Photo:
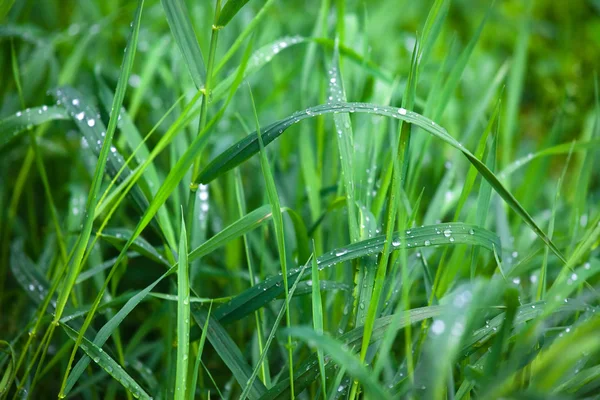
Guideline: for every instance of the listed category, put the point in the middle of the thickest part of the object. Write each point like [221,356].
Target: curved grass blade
[229,10]
[343,357]
[119,236]
[434,235]
[563,148]
[12,127]
[108,364]
[248,146]
[185,37]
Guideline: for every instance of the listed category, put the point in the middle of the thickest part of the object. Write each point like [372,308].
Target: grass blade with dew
[345,143]
[248,146]
[279,233]
[15,125]
[113,368]
[259,295]
[181,27]
[183,316]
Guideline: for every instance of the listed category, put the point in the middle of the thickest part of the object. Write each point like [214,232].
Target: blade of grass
[182,30]
[183,315]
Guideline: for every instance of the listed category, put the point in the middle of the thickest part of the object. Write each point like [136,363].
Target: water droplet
[402,111]
[427,243]
[438,327]
[447,233]
[75,102]
[91,122]
[341,252]
[80,116]
[471,232]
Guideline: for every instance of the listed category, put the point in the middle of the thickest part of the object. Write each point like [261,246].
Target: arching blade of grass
[259,295]
[229,10]
[354,367]
[119,236]
[248,146]
[185,37]
[108,364]
[267,53]
[183,316]
[563,148]
[15,125]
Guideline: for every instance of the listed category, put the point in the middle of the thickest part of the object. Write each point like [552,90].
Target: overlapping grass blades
[248,146]
[434,235]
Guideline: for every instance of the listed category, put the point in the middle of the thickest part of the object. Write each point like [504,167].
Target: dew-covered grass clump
[300,200]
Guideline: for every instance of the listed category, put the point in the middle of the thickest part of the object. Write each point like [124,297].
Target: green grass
[413,186]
